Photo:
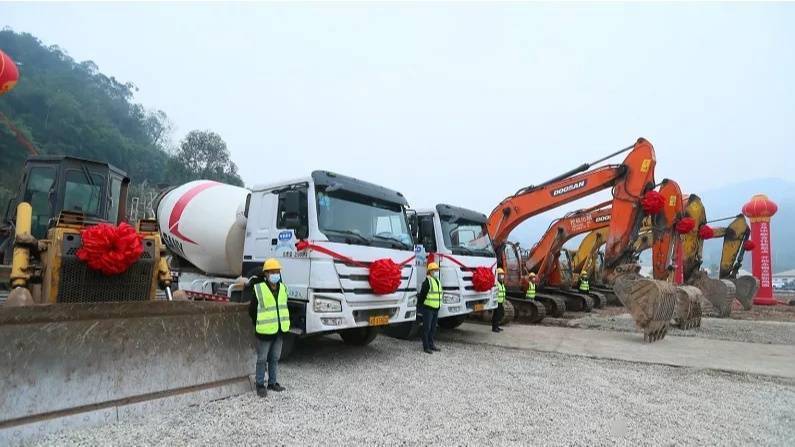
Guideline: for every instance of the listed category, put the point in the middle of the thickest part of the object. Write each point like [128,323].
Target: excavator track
[576,301]
[688,307]
[746,286]
[610,296]
[554,306]
[528,310]
[599,299]
[651,303]
[718,294]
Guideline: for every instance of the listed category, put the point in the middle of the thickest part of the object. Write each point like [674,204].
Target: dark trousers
[430,317]
[497,315]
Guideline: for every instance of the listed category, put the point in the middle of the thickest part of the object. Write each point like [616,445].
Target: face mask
[435,274]
[501,278]
[273,278]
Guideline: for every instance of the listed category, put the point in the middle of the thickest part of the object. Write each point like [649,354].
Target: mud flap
[746,286]
[68,365]
[651,303]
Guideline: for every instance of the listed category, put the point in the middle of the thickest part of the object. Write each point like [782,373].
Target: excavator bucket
[719,294]
[66,365]
[746,286]
[688,307]
[650,302]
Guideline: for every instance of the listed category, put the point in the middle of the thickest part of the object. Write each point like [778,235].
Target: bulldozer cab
[53,184]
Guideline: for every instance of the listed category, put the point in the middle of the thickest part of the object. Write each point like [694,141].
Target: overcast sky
[455,103]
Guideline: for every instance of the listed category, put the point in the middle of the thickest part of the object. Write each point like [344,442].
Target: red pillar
[759,210]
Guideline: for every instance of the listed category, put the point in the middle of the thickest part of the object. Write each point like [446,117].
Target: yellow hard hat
[500,270]
[433,266]
[271,264]
[532,275]
[584,273]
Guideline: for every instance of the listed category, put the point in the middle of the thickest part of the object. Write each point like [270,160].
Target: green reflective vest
[500,293]
[271,312]
[584,287]
[434,297]
[531,291]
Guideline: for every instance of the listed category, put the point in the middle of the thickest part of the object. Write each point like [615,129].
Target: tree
[203,154]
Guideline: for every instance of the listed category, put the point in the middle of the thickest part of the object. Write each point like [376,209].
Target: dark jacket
[248,291]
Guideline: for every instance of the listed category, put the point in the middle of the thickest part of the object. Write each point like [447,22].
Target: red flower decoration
[749,245]
[685,225]
[482,279]
[384,276]
[652,202]
[706,232]
[109,249]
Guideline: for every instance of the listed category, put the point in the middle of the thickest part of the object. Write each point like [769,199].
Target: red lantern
[685,225]
[652,202]
[9,74]
[384,276]
[482,279]
[749,245]
[706,232]
[110,250]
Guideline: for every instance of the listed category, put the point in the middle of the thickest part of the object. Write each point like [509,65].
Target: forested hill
[69,107]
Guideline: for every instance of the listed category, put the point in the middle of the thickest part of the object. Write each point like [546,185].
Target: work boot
[428,351]
[495,329]
[262,391]
[276,387]
[434,348]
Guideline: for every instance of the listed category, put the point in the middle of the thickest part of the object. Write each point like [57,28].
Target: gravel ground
[392,393]
[767,332]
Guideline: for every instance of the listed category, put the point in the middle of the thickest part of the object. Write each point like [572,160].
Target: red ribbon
[384,277]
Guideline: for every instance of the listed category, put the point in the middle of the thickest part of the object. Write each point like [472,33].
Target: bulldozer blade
[650,302]
[719,294]
[746,286]
[688,307]
[68,365]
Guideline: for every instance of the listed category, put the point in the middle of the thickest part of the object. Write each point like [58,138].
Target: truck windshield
[465,237]
[357,219]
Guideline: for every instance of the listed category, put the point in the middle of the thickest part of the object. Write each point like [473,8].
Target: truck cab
[327,230]
[456,238]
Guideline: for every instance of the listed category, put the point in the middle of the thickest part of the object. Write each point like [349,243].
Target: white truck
[220,235]
[458,241]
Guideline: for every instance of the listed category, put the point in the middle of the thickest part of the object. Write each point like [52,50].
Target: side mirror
[292,221]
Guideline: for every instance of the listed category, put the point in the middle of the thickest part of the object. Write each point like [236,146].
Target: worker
[531,286]
[430,300]
[271,318]
[584,286]
[499,312]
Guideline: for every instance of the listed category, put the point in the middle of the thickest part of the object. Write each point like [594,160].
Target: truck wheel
[452,322]
[403,331]
[360,336]
[288,344]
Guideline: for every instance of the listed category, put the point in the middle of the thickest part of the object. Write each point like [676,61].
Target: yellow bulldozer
[81,346]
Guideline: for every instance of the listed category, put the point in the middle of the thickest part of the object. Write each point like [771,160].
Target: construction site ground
[542,385]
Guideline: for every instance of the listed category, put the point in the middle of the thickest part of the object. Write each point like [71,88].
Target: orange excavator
[650,302]
[538,260]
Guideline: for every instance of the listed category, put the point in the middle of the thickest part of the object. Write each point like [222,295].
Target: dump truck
[338,239]
[456,238]
[88,336]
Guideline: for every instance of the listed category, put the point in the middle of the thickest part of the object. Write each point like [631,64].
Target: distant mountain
[719,202]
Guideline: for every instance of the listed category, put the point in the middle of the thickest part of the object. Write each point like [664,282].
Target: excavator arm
[734,237]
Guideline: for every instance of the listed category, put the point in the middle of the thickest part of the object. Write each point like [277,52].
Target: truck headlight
[450,299]
[413,301]
[326,305]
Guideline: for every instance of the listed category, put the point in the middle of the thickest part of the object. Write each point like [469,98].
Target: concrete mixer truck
[339,240]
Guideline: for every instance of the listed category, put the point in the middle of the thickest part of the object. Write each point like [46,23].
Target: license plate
[379,320]
[478,307]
